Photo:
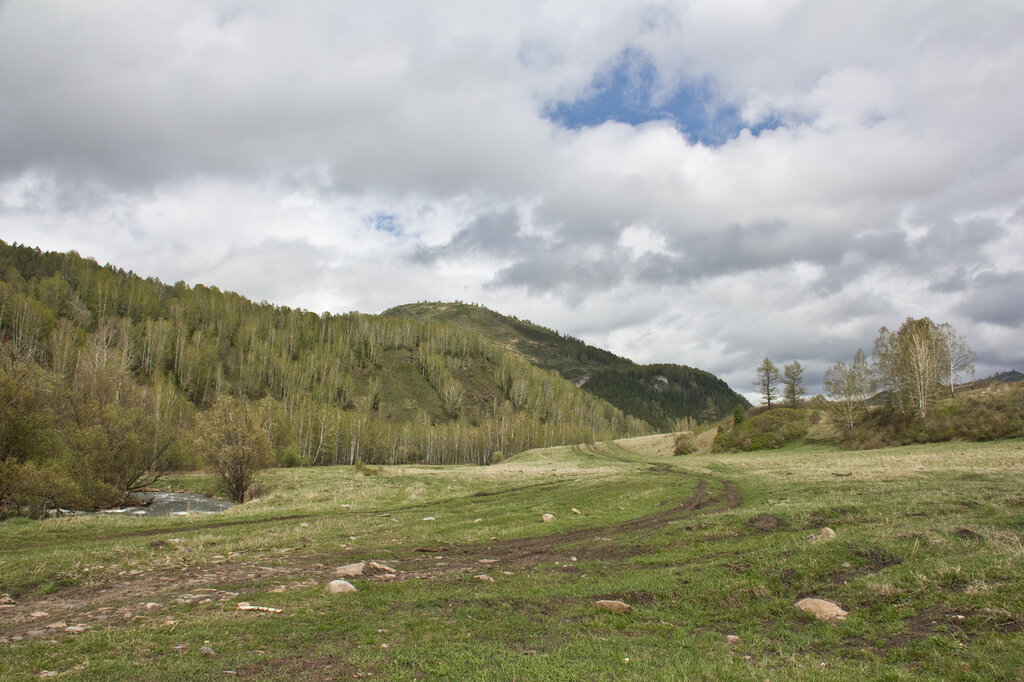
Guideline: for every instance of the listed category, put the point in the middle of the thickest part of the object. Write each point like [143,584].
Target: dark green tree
[793,383]
[768,382]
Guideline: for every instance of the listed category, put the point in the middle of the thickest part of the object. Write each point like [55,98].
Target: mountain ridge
[665,395]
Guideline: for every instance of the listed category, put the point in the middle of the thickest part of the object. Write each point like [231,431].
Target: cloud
[699,182]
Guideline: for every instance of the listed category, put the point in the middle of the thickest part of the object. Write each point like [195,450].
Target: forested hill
[103,375]
[663,395]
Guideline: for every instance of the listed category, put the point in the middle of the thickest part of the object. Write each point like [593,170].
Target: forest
[108,380]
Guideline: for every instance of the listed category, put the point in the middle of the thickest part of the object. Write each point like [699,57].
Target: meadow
[711,551]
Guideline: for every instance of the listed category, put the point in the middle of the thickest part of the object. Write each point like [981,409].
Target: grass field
[927,559]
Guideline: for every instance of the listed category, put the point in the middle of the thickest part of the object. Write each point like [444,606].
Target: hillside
[661,394]
[103,374]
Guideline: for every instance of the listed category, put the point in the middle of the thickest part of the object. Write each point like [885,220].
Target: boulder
[340,587]
[484,578]
[547,518]
[822,609]
[351,570]
[613,605]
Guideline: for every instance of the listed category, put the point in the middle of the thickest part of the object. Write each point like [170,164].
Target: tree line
[910,368]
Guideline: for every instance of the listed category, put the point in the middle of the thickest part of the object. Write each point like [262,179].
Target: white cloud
[329,156]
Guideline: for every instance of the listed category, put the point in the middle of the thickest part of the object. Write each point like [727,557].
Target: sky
[705,182]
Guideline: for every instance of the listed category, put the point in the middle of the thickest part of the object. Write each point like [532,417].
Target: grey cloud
[492,234]
[996,298]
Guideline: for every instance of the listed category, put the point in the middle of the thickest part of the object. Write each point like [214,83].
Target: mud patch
[967,535]
[631,597]
[766,523]
[872,560]
[305,668]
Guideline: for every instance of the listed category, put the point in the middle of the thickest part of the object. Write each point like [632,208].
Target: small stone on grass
[613,605]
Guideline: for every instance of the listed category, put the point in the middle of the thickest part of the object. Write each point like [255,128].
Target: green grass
[928,560]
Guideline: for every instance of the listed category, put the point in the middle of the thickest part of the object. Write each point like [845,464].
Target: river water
[172,504]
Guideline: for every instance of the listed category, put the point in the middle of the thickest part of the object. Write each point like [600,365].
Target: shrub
[985,414]
[769,429]
[684,444]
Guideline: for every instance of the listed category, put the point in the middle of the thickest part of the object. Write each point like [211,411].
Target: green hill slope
[103,374]
[659,394]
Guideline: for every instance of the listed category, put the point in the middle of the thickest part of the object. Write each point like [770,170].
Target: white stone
[613,605]
[824,534]
[547,518]
[822,609]
[340,587]
[351,570]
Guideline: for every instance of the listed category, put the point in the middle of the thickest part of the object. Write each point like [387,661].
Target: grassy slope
[928,560]
[634,389]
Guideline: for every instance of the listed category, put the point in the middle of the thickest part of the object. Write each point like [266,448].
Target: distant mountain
[1009,377]
[659,394]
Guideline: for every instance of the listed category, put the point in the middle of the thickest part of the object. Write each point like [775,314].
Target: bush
[985,414]
[767,430]
[684,445]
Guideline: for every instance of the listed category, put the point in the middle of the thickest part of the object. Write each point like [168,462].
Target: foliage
[913,363]
[848,388]
[684,444]
[793,383]
[988,413]
[769,429]
[659,394]
[106,371]
[235,441]
[767,382]
[662,395]
[739,415]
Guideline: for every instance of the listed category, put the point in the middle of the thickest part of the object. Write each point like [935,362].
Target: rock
[478,520]
[822,535]
[487,561]
[303,525]
[613,605]
[732,639]
[351,570]
[246,606]
[340,587]
[484,578]
[822,609]
[74,629]
[382,567]
[576,511]
[547,518]
[39,614]
[153,606]
[207,650]
[59,625]
[6,599]
[430,518]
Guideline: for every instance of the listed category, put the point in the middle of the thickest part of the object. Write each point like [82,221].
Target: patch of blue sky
[386,222]
[628,93]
